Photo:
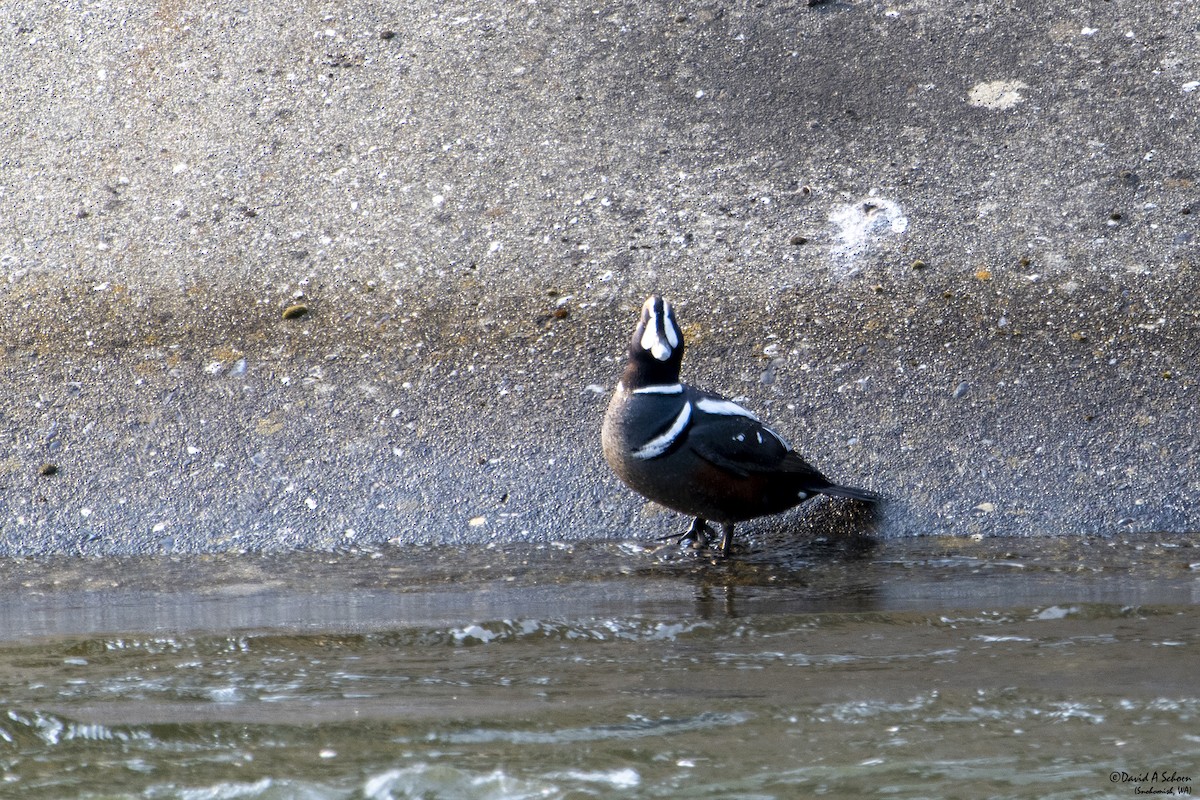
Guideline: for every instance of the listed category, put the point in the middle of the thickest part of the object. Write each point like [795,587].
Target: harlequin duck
[696,452]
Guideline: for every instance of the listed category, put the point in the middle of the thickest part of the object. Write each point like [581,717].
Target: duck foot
[697,535]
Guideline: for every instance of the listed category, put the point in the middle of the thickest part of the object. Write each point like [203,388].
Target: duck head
[656,349]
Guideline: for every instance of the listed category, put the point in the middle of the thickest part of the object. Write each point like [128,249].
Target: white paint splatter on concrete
[861,225]
[997,95]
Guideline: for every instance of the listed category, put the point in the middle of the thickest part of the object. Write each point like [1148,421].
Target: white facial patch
[661,336]
[661,443]
[669,325]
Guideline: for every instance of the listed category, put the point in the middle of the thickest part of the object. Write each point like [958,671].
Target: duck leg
[726,538]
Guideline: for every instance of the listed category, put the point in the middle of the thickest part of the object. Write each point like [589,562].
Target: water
[923,668]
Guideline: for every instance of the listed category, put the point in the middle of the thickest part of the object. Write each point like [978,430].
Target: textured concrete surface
[950,251]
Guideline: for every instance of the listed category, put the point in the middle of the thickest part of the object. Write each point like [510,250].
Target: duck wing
[731,437]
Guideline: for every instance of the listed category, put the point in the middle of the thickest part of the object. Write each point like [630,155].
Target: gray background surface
[948,249]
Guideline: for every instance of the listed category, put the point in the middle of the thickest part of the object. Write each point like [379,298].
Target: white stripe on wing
[726,408]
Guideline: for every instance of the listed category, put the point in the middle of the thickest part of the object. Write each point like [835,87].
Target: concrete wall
[950,250]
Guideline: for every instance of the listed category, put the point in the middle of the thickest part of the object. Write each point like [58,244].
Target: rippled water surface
[925,668]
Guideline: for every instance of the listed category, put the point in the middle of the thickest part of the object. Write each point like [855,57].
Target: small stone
[919,264]
[46,470]
[798,240]
[986,508]
[961,390]
[295,311]
[983,274]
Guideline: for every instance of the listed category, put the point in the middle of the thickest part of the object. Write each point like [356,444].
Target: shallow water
[922,668]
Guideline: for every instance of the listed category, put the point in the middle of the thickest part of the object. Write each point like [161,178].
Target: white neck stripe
[661,443]
[661,388]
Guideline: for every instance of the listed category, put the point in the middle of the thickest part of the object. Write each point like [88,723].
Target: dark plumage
[696,452]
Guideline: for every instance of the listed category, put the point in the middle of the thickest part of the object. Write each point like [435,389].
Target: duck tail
[851,493]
